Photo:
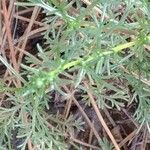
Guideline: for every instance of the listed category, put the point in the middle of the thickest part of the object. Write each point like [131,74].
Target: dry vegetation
[74,75]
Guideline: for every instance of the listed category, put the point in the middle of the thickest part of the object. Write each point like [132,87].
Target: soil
[120,122]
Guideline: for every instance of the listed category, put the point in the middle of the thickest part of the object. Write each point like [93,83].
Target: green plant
[87,48]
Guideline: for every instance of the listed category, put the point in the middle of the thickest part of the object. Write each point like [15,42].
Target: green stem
[93,57]
[81,61]
[116,49]
[123,46]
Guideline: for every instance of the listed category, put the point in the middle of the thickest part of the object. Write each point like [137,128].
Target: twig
[33,32]
[28,20]
[144,140]
[34,15]
[130,117]
[83,143]
[87,2]
[67,108]
[145,81]
[147,47]
[0,25]
[26,10]
[9,36]
[129,137]
[109,117]
[90,135]
[84,115]
[101,118]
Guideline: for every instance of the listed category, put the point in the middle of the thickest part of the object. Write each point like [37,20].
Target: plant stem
[82,62]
